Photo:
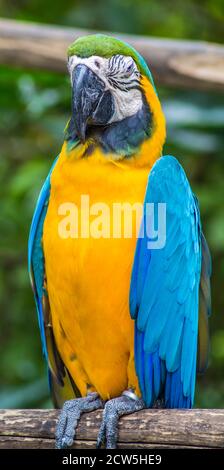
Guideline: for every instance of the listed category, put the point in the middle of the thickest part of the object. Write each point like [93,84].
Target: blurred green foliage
[34,110]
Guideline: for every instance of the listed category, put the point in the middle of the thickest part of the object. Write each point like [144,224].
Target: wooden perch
[187,64]
[34,429]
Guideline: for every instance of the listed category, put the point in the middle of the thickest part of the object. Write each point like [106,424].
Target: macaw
[124,326]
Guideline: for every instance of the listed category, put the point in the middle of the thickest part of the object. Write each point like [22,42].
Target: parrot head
[114,102]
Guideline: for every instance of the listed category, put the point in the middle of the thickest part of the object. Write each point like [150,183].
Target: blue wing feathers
[148,376]
[139,358]
[35,253]
[164,293]
[156,373]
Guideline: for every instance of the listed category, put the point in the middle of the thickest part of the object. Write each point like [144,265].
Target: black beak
[91,104]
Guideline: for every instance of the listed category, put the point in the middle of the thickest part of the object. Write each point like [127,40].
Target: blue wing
[36,256]
[164,293]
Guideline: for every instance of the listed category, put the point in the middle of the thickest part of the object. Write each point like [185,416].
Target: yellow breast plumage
[88,286]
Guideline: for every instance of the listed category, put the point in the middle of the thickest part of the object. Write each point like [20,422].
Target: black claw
[101,436]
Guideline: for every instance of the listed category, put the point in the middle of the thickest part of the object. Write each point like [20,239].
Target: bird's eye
[97,64]
[129,66]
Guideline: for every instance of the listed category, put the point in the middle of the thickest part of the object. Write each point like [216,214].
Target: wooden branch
[187,64]
[32,429]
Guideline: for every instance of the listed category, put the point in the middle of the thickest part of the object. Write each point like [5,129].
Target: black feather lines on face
[122,73]
[124,137]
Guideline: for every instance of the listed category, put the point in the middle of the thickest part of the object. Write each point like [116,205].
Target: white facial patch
[121,77]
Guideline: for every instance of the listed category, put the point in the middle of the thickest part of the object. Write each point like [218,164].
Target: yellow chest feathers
[93,208]
[88,278]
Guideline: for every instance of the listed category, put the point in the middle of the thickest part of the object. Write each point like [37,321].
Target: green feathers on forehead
[107,46]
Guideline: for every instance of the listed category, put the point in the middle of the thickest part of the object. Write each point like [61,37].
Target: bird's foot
[69,416]
[127,403]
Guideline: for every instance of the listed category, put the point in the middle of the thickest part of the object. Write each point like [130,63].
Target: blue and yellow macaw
[123,326]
